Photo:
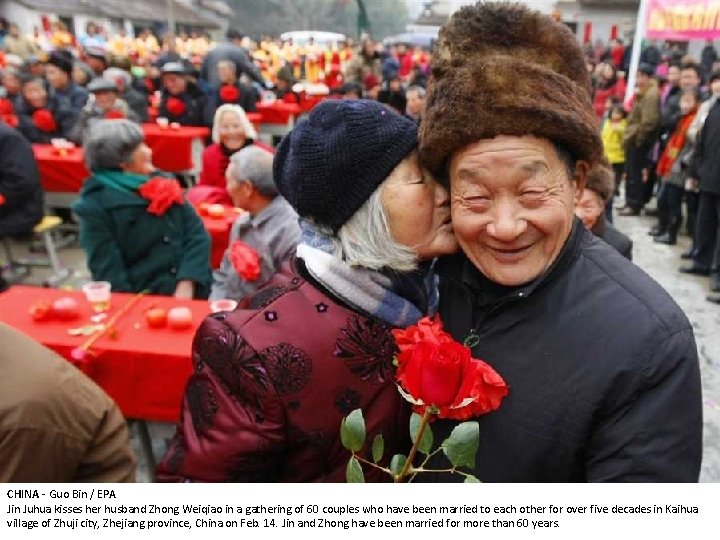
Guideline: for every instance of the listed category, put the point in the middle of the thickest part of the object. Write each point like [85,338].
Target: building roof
[137,10]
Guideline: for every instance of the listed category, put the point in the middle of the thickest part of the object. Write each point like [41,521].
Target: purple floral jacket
[272,381]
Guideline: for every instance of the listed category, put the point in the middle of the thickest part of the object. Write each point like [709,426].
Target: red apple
[40,311]
[180,318]
[156,317]
[66,308]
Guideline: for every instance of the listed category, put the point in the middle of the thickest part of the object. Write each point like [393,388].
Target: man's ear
[580,177]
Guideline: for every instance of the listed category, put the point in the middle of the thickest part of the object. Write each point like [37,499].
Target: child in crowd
[613,132]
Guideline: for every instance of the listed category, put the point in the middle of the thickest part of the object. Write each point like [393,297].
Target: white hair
[250,132]
[365,240]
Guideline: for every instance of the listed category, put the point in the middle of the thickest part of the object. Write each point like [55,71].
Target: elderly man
[415,96]
[270,227]
[182,100]
[601,363]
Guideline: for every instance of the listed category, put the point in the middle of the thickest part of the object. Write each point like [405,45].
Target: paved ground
[661,262]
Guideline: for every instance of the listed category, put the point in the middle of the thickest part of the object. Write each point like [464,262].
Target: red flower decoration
[437,371]
[44,120]
[229,93]
[6,107]
[2,199]
[162,194]
[11,120]
[176,106]
[115,114]
[245,261]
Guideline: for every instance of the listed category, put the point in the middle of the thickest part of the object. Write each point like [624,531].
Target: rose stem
[416,443]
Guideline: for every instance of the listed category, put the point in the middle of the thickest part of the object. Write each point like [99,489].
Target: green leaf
[470,479]
[352,431]
[378,448]
[353,472]
[397,463]
[426,443]
[462,444]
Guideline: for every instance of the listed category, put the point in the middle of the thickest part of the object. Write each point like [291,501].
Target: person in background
[21,195]
[613,133]
[97,60]
[270,227]
[231,91]
[231,132]
[105,104]
[136,229]
[33,67]
[232,49]
[609,89]
[41,116]
[708,57]
[393,95]
[58,73]
[82,74]
[274,378]
[56,425]
[368,61]
[136,100]
[415,96]
[60,38]
[16,43]
[182,101]
[12,83]
[590,208]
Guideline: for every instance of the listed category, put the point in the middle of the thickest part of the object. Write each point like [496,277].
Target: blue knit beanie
[332,161]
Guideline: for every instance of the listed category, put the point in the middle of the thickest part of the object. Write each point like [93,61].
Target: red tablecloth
[58,173]
[172,148]
[308,102]
[219,230]
[277,112]
[144,370]
[255,119]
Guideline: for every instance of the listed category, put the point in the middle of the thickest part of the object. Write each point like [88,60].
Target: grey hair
[255,165]
[365,240]
[249,129]
[228,63]
[421,92]
[110,143]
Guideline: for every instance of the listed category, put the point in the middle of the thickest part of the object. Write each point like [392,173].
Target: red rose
[176,106]
[11,120]
[245,261]
[2,199]
[229,93]
[6,107]
[437,371]
[44,120]
[115,114]
[162,194]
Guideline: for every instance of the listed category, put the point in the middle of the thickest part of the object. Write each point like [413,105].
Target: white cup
[98,294]
[162,121]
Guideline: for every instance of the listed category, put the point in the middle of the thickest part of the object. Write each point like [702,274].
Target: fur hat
[333,160]
[503,69]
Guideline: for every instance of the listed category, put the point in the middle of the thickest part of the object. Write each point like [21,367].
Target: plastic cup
[225,304]
[163,122]
[98,294]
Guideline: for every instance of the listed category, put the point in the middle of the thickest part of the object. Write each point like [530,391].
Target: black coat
[705,165]
[19,184]
[247,99]
[65,120]
[602,368]
[195,102]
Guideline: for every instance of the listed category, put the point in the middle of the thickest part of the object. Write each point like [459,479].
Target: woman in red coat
[274,378]
[231,131]
[610,87]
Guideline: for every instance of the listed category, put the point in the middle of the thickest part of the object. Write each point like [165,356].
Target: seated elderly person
[231,132]
[274,378]
[601,362]
[590,208]
[136,100]
[182,100]
[231,90]
[58,72]
[270,228]
[104,104]
[138,232]
[41,116]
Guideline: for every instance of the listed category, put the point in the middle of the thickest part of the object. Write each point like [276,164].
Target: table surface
[218,229]
[182,132]
[60,173]
[144,370]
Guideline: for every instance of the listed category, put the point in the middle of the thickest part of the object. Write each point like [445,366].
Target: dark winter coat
[229,51]
[65,119]
[19,184]
[247,99]
[74,96]
[195,102]
[602,368]
[136,250]
[705,165]
[272,381]
[621,242]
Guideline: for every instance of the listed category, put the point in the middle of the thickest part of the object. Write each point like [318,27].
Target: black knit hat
[61,60]
[332,161]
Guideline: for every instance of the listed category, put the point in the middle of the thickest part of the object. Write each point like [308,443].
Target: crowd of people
[413,195]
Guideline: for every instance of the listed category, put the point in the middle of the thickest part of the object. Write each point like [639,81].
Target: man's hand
[185,290]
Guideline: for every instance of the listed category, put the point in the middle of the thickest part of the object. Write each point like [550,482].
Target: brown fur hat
[601,180]
[503,69]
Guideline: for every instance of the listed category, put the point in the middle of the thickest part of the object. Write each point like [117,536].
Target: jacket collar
[109,197]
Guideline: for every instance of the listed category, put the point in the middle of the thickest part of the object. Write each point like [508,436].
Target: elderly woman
[104,104]
[270,226]
[590,208]
[594,351]
[231,131]
[137,231]
[274,379]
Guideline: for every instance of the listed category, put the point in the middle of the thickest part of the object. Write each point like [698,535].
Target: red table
[278,112]
[144,370]
[255,119]
[176,150]
[219,230]
[60,173]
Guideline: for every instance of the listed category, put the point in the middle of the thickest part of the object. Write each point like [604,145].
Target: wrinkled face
[512,206]
[418,210]
[231,131]
[56,76]
[140,161]
[673,76]
[689,79]
[589,208]
[105,100]
[226,73]
[174,83]
[35,94]
[240,192]
[414,104]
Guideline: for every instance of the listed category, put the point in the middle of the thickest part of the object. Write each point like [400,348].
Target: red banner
[683,19]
